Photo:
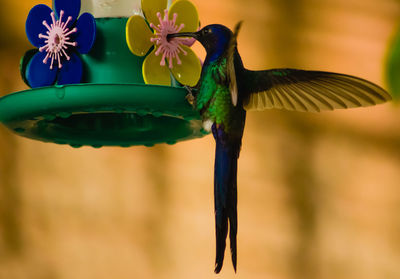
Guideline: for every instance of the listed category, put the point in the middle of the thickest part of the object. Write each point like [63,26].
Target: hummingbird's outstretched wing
[312,91]
[230,64]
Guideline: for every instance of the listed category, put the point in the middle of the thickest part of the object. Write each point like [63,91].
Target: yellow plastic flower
[183,63]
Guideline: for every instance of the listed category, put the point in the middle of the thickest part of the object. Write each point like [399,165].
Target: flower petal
[34,24]
[150,9]
[188,73]
[153,72]
[70,7]
[71,71]
[86,33]
[138,35]
[23,63]
[39,74]
[187,14]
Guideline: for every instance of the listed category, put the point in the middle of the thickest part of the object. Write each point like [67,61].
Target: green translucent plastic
[393,66]
[111,107]
[110,60]
[102,115]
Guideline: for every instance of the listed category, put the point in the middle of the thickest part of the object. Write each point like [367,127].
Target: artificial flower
[168,56]
[59,36]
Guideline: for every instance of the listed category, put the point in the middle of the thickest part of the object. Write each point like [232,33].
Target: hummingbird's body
[226,90]
[226,121]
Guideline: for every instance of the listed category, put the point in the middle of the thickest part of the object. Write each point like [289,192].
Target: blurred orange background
[319,194]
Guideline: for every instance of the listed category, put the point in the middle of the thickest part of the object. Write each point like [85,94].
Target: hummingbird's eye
[207,30]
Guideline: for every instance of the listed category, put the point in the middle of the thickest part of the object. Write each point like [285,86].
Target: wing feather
[231,50]
[312,91]
[287,104]
[320,99]
[297,102]
[277,100]
[333,95]
[310,104]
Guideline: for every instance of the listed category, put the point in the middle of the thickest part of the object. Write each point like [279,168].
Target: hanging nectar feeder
[105,81]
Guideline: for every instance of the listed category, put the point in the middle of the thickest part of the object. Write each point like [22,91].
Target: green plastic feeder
[111,107]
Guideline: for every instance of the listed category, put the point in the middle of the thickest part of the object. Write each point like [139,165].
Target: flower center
[57,40]
[170,49]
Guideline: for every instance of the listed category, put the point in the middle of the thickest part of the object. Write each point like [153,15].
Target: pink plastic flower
[182,61]
[60,34]
[57,39]
[170,49]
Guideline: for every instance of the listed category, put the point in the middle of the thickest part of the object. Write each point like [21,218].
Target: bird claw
[189,97]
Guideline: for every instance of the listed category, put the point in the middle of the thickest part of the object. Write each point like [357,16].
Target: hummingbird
[226,90]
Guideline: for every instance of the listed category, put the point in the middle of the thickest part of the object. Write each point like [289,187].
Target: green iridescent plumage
[214,97]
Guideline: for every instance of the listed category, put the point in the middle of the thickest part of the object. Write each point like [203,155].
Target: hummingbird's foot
[189,97]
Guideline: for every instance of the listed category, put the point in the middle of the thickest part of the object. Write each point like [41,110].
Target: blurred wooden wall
[319,194]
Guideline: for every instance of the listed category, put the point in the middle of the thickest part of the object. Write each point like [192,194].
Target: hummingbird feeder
[109,80]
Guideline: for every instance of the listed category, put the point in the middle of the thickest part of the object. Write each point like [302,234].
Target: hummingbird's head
[215,38]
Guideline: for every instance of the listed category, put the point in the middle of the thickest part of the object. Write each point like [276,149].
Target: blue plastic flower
[59,36]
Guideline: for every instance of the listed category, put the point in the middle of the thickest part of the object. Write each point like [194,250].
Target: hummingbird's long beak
[183,34]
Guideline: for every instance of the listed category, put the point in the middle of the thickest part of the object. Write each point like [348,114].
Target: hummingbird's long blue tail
[225,195]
